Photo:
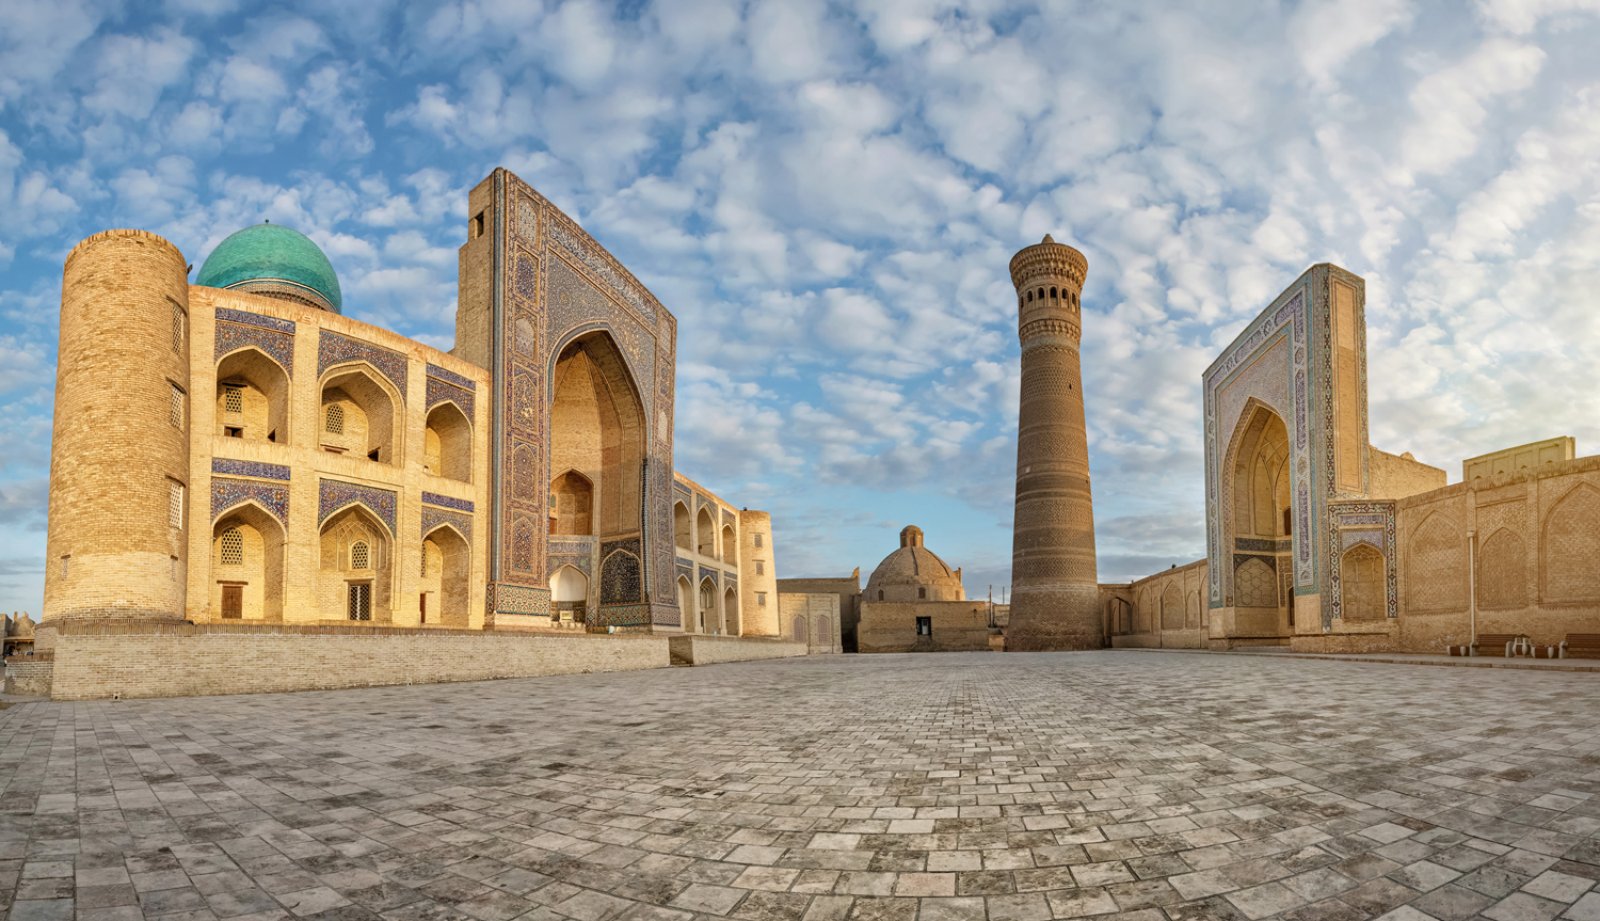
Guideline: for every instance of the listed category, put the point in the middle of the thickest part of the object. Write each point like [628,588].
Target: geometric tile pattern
[1135,785]
[334,495]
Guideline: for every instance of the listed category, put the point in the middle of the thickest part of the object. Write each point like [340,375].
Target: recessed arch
[706,533]
[709,621]
[1570,546]
[686,604]
[1502,571]
[569,595]
[252,396]
[347,593]
[598,429]
[730,611]
[448,442]
[360,413]
[252,587]
[1363,592]
[1436,565]
[447,574]
[682,529]
[1171,608]
[572,509]
[730,545]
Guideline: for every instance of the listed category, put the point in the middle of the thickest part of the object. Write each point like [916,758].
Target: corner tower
[1054,593]
[119,461]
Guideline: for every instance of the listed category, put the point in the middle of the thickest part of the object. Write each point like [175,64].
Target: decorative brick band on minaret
[1054,591]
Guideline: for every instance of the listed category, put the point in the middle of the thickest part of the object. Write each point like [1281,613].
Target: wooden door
[232,602]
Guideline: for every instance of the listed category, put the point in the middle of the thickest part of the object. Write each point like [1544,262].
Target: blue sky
[827,195]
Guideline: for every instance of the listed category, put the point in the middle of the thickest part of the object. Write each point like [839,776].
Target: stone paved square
[1123,784]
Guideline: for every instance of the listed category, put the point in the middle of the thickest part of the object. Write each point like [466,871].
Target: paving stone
[1011,788]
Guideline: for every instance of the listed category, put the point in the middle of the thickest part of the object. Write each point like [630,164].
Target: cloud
[827,196]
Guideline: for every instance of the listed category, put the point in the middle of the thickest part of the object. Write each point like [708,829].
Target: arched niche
[730,545]
[572,511]
[447,451]
[355,578]
[682,530]
[706,534]
[447,578]
[730,611]
[247,565]
[686,611]
[709,622]
[569,595]
[359,414]
[252,397]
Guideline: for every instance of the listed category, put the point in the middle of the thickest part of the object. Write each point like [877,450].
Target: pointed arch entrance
[598,444]
[1258,525]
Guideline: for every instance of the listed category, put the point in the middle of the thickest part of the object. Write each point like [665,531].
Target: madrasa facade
[1319,541]
[236,452]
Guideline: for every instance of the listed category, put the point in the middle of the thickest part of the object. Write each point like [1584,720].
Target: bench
[1582,644]
[1493,644]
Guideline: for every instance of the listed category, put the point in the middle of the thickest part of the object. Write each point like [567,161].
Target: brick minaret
[119,468]
[1054,595]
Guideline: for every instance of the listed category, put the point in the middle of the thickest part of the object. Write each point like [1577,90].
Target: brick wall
[182,660]
[709,650]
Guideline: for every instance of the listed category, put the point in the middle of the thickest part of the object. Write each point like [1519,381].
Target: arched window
[335,420]
[232,547]
[360,555]
[1053,293]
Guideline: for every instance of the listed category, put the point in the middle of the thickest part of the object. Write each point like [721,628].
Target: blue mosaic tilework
[255,319]
[334,495]
[622,615]
[434,517]
[257,469]
[237,329]
[621,572]
[451,377]
[334,349]
[519,599]
[440,390]
[460,505]
[227,493]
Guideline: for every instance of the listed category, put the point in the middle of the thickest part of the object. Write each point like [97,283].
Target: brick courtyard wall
[29,678]
[709,650]
[164,660]
[891,626]
[1538,536]
[1163,611]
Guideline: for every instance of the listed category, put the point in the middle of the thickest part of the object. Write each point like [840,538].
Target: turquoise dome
[274,260]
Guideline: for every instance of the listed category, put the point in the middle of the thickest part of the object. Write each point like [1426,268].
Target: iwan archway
[598,445]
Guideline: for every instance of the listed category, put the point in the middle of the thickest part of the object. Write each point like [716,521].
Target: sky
[827,195]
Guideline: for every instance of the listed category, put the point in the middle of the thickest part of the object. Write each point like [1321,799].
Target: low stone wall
[709,650]
[29,677]
[165,660]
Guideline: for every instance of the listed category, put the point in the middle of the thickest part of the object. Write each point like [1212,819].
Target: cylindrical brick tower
[1054,590]
[119,460]
[758,593]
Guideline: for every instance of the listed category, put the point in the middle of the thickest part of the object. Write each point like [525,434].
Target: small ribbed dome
[276,261]
[914,573]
